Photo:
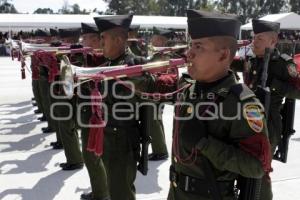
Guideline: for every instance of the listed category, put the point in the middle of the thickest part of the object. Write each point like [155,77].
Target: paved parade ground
[29,168]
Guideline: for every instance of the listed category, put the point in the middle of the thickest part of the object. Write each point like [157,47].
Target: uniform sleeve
[285,88]
[155,88]
[248,155]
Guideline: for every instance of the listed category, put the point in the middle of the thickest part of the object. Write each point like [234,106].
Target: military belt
[197,186]
[121,124]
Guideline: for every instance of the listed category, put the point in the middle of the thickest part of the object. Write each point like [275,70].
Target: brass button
[175,159]
[115,129]
[174,184]
[189,110]
[254,72]
[273,89]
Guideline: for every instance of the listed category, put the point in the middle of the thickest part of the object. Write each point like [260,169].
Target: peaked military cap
[260,26]
[41,33]
[88,28]
[207,24]
[163,32]
[53,32]
[106,23]
[69,32]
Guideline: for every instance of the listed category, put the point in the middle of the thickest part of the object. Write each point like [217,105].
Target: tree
[6,7]
[43,11]
[118,7]
[65,8]
[71,9]
[244,9]
[295,6]
[203,5]
[76,9]
[272,6]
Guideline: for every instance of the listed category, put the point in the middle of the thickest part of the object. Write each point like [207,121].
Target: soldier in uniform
[281,69]
[69,36]
[94,164]
[44,94]
[121,136]
[215,136]
[135,44]
[44,35]
[160,38]
[54,37]
[67,128]
[91,38]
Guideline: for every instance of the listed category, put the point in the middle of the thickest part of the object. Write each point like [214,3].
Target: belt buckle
[174,184]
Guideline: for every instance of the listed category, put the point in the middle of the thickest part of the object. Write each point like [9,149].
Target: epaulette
[286,57]
[242,91]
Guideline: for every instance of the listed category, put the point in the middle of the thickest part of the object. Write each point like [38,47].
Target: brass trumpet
[70,73]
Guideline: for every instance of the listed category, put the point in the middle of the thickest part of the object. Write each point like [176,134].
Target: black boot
[47,130]
[68,166]
[42,118]
[57,145]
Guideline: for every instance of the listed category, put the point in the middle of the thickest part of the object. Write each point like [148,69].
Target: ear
[224,55]
[274,41]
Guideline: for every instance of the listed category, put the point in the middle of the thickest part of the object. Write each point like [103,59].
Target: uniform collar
[220,87]
[275,54]
[118,60]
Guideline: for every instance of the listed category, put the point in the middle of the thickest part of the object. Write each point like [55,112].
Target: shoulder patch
[242,91]
[292,70]
[254,116]
[286,57]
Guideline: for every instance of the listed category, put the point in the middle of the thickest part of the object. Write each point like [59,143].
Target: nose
[190,54]
[255,42]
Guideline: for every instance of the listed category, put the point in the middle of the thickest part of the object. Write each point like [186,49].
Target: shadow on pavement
[296,139]
[149,184]
[35,163]
[26,144]
[20,104]
[16,110]
[46,189]
[22,129]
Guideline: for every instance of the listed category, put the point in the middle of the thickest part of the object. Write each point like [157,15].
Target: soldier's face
[91,40]
[204,60]
[110,45]
[262,41]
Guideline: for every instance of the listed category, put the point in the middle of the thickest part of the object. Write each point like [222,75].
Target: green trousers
[36,94]
[121,152]
[94,164]
[67,130]
[44,90]
[47,100]
[158,142]
[274,129]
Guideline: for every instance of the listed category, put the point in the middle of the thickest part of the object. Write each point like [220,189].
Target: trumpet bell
[67,76]
[70,73]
